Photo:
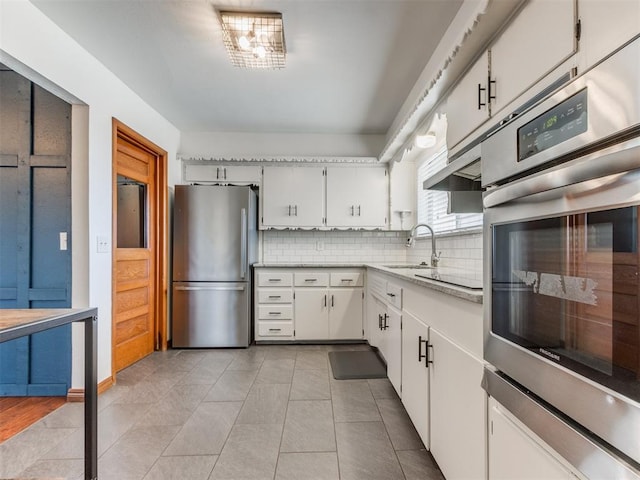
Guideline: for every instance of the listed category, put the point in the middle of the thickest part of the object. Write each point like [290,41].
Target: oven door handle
[615,159]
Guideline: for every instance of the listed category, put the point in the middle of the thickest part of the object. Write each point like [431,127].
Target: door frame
[160,281]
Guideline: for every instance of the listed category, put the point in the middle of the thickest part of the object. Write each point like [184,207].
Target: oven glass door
[567,289]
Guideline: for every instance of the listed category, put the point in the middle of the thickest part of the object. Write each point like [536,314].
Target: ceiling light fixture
[426,141]
[254,39]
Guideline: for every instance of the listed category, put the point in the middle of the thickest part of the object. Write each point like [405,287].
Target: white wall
[243,145]
[35,47]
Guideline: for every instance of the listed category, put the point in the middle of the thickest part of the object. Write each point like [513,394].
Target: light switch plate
[102,244]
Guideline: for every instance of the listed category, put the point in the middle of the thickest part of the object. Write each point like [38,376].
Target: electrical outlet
[102,244]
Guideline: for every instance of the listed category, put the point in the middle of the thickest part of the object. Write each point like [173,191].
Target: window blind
[432,204]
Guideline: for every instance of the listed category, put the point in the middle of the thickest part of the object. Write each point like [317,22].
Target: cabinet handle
[325,301]
[480,90]
[489,83]
[331,301]
[275,313]
[217,173]
[420,354]
[275,296]
[347,280]
[379,321]
[391,295]
[429,357]
[224,173]
[275,329]
[275,279]
[289,210]
[359,210]
[386,324]
[295,210]
[310,279]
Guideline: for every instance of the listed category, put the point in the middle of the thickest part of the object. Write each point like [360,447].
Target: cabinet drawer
[274,279]
[267,312]
[377,286]
[347,279]
[273,295]
[394,295]
[311,279]
[275,329]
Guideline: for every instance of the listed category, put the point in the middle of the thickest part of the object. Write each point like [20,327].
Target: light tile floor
[270,412]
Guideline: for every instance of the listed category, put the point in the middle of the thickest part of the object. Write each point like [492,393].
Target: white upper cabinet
[194,172]
[467,104]
[605,26]
[402,195]
[538,40]
[357,197]
[292,196]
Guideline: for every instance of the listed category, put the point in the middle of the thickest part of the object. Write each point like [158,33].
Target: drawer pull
[275,313]
[391,294]
[347,280]
[275,296]
[310,279]
[275,279]
[275,329]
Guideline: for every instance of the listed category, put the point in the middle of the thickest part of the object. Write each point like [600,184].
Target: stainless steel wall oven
[562,252]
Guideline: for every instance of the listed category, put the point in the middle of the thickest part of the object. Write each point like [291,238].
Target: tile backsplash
[302,246]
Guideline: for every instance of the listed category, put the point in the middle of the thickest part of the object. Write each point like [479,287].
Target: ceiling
[350,63]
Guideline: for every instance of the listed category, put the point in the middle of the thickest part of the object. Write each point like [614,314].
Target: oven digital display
[562,122]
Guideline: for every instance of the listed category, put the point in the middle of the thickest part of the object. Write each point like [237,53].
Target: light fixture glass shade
[426,141]
[254,39]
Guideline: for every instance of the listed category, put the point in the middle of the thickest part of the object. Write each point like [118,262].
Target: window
[432,204]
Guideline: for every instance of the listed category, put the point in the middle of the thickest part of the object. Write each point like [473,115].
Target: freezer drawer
[211,314]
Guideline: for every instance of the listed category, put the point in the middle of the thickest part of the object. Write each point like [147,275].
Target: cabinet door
[357,197]
[311,314]
[345,316]
[458,409]
[515,454]
[393,339]
[375,311]
[539,39]
[292,197]
[222,174]
[415,374]
[606,25]
[402,195]
[467,104]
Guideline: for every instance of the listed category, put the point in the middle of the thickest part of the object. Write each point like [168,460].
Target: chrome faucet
[435,257]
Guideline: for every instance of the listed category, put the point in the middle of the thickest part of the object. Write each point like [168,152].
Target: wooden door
[35,221]
[135,241]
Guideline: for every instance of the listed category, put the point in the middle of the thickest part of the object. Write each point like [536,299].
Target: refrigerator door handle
[239,288]
[243,243]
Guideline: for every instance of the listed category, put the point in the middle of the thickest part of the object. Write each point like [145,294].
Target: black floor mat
[359,364]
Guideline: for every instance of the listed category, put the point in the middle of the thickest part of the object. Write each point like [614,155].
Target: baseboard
[77,394]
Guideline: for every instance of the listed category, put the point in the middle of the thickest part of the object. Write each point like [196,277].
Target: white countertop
[400,271]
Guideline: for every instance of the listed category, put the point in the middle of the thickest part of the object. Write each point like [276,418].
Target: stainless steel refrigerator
[214,245]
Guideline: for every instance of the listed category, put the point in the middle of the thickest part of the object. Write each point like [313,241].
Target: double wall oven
[562,266]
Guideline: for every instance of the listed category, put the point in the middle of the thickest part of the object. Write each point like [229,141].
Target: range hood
[460,175]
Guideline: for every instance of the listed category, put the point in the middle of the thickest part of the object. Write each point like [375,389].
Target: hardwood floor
[17,413]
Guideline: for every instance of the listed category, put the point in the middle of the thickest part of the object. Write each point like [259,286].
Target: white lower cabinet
[415,374]
[311,313]
[434,363]
[392,341]
[317,304]
[345,309]
[458,409]
[514,453]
